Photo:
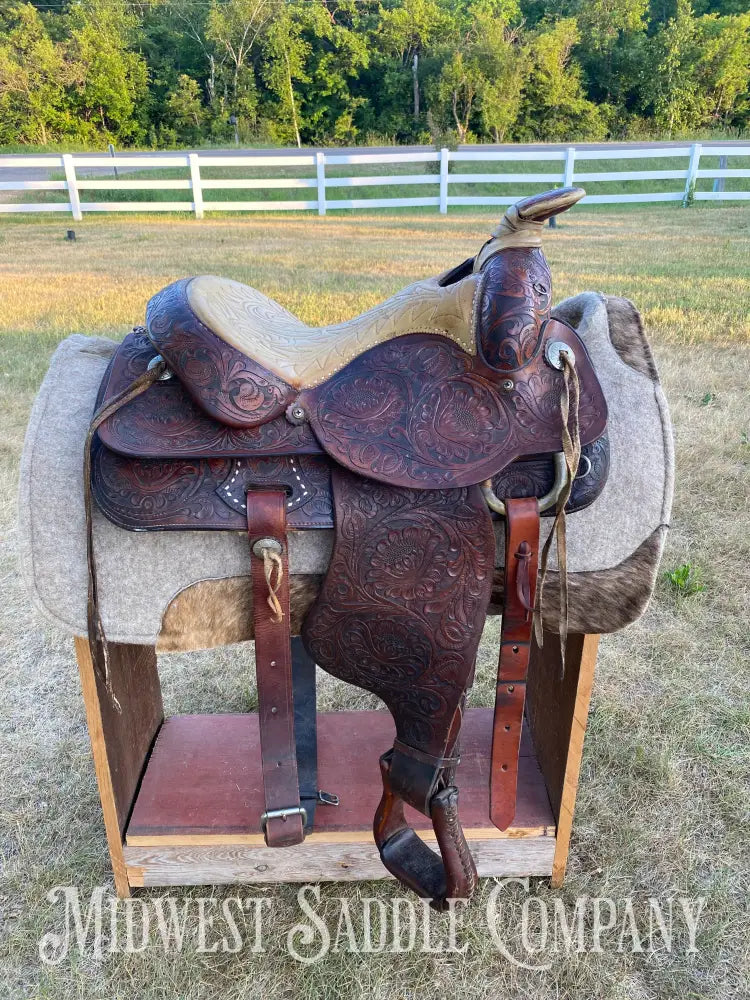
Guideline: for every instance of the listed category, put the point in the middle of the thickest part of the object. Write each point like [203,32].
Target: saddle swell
[382,428]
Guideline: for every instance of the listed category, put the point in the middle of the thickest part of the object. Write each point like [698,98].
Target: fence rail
[443,178]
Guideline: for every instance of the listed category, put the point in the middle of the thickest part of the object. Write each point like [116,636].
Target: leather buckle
[282,814]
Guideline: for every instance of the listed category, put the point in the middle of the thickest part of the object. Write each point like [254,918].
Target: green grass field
[663,803]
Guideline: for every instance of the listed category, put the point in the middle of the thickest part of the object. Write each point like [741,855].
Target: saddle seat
[276,341]
[303,356]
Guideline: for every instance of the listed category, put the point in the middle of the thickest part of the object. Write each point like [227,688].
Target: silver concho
[166,374]
[552,353]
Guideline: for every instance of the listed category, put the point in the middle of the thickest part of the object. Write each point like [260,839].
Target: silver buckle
[282,814]
[328,798]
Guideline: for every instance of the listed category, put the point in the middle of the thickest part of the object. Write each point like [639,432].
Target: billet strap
[521,565]
[97,639]
[283,820]
[451,874]
[306,734]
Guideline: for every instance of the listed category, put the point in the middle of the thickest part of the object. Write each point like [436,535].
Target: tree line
[164,73]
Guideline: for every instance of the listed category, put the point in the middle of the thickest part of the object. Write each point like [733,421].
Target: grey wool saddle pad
[189,589]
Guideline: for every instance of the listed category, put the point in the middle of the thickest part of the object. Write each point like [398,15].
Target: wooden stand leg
[120,741]
[557,709]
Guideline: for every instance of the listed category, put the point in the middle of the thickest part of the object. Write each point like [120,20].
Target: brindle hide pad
[220,612]
[217,612]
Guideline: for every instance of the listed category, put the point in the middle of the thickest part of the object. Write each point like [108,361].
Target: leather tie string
[571,446]
[97,638]
[269,550]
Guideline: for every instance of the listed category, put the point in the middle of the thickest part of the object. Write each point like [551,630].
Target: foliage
[341,71]
[685,580]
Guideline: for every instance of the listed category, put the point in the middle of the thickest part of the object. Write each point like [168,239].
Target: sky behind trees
[164,73]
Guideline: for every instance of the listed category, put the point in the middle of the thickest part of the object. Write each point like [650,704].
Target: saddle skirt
[162,463]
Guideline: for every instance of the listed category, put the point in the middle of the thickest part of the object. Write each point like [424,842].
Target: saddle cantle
[402,429]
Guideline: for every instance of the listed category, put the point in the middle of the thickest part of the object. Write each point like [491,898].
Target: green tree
[286,51]
[235,28]
[611,32]
[724,69]
[186,109]
[554,107]
[403,39]
[677,101]
[109,88]
[336,52]
[33,74]
[480,78]
[505,66]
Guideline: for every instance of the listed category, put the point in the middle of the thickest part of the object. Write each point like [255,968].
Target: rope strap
[571,446]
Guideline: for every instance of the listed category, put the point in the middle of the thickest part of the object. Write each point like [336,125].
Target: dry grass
[664,794]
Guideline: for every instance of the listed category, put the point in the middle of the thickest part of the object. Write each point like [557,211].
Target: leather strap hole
[511,688]
[515,649]
[504,767]
[507,729]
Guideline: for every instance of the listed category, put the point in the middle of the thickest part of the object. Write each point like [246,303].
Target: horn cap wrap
[522,224]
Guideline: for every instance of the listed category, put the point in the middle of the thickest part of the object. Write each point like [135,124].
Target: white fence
[565,161]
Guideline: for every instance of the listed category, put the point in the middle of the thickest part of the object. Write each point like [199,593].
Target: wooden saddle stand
[406,431]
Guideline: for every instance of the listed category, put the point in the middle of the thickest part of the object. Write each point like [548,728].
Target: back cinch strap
[521,565]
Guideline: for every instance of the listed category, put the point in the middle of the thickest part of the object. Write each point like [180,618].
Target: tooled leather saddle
[407,430]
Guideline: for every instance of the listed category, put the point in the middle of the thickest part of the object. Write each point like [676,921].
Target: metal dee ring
[587,460]
[545,502]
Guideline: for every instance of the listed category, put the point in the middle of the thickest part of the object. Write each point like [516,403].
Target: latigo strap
[521,565]
[284,820]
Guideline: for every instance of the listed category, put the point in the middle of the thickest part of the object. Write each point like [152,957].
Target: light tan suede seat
[303,355]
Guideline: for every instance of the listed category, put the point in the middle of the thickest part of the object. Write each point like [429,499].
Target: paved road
[42,173]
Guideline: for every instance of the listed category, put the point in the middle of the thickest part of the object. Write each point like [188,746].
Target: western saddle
[406,430]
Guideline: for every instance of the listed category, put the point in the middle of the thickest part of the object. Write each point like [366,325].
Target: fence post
[195,184]
[70,180]
[719,181]
[570,165]
[695,158]
[443,181]
[320,167]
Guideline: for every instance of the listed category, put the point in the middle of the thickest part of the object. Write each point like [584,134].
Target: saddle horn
[521,226]
[516,286]
[540,207]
